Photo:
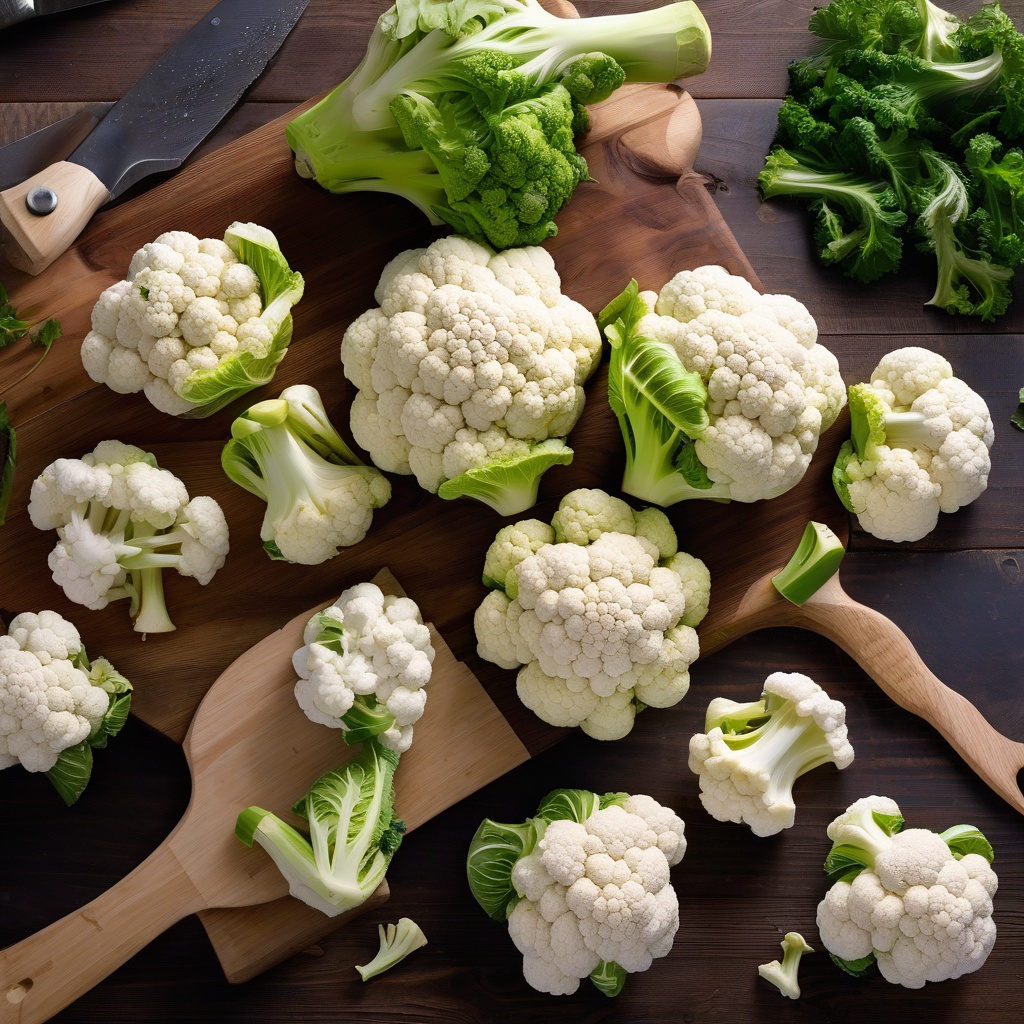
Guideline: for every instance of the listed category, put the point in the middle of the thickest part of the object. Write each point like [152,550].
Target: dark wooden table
[958,595]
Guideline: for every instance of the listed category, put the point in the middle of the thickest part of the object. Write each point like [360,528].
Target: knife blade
[22,158]
[178,101]
[14,11]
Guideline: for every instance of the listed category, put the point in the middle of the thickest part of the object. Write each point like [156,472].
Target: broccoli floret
[470,110]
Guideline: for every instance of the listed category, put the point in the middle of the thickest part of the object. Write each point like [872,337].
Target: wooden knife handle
[32,242]
[883,650]
[49,970]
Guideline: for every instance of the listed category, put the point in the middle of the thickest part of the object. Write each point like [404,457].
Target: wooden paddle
[250,743]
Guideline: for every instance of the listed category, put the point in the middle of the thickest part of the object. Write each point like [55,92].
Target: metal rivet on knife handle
[41,200]
[32,242]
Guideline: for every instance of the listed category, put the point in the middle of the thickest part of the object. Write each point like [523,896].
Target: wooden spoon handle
[887,655]
[49,970]
[32,242]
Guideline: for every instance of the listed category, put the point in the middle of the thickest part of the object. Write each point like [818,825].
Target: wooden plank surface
[959,603]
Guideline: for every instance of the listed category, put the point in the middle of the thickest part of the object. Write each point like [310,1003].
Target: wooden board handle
[32,242]
[883,650]
[49,970]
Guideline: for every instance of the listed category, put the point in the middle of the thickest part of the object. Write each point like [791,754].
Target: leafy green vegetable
[13,328]
[900,130]
[8,460]
[470,109]
[815,561]
[353,833]
[1016,419]
[71,773]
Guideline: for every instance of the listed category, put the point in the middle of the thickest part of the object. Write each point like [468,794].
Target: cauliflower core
[598,609]
[472,360]
[364,665]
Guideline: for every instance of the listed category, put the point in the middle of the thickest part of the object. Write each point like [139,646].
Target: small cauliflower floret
[120,520]
[916,903]
[53,703]
[743,389]
[597,624]
[364,666]
[920,441]
[320,497]
[750,755]
[193,325]
[468,372]
[585,886]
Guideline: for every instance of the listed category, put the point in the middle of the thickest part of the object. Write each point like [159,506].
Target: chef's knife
[13,11]
[153,128]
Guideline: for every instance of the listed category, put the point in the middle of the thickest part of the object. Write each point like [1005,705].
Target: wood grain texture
[962,609]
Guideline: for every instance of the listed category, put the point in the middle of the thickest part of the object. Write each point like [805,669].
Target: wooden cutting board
[647,214]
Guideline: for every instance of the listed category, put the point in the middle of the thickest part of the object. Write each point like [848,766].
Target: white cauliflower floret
[364,665]
[747,428]
[589,891]
[750,755]
[594,620]
[467,368]
[912,901]
[51,699]
[920,446]
[187,308]
[118,514]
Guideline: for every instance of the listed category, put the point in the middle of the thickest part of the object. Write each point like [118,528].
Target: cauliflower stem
[353,833]
[815,561]
[397,941]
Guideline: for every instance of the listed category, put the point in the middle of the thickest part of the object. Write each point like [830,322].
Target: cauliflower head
[720,392]
[597,611]
[470,371]
[749,755]
[364,666]
[55,705]
[920,446]
[915,902]
[584,885]
[196,322]
[320,497]
[120,520]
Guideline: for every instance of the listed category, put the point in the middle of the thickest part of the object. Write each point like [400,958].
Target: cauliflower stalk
[919,446]
[470,371]
[784,974]
[353,833]
[320,497]
[750,755]
[469,110]
[584,886]
[120,521]
[915,902]
[196,322]
[397,941]
[596,610]
[720,392]
[364,666]
[56,706]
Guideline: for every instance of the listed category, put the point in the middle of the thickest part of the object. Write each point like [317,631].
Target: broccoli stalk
[353,833]
[319,495]
[469,110]
[661,408]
